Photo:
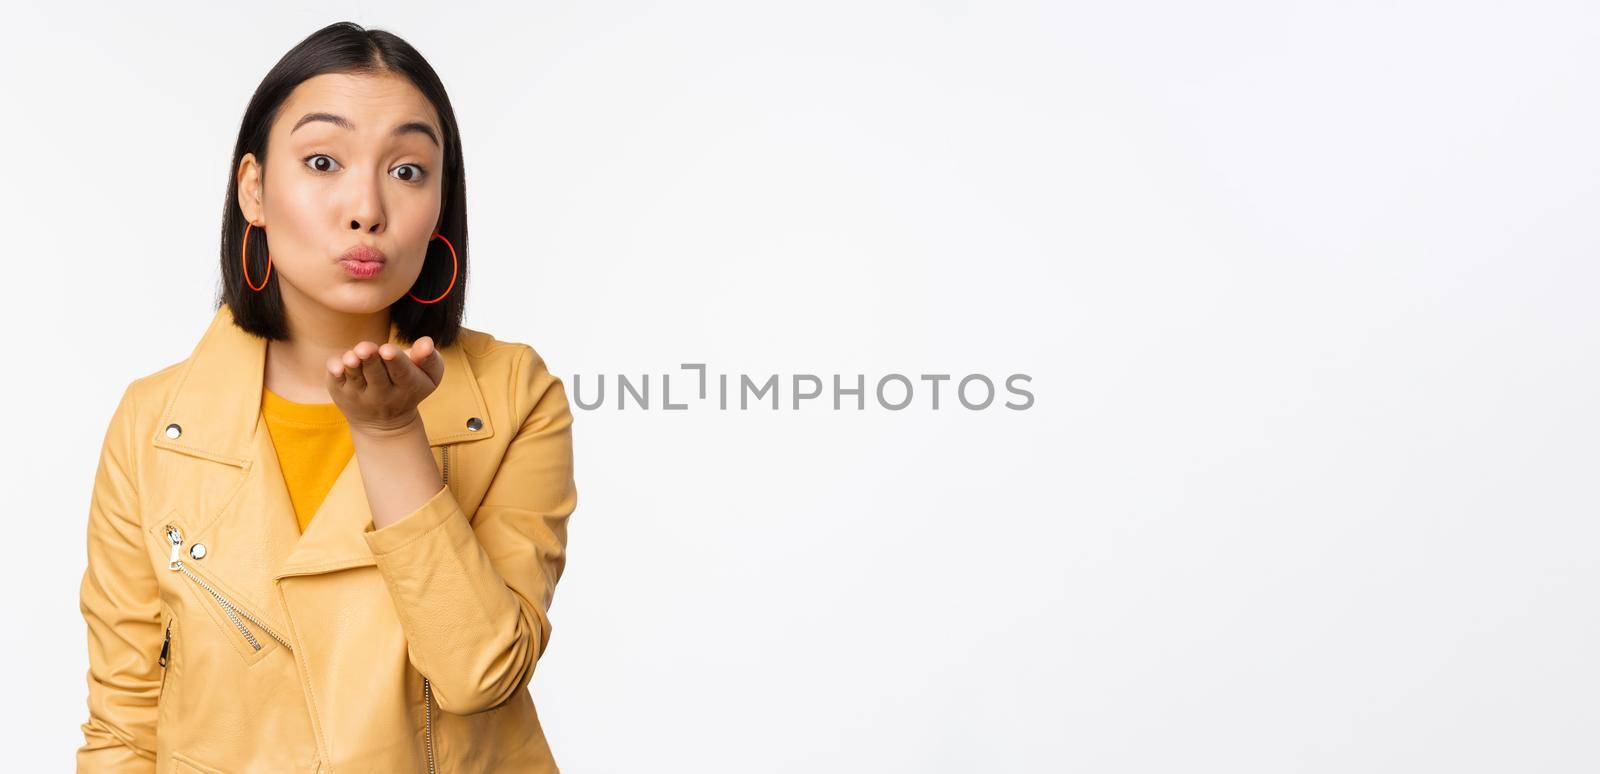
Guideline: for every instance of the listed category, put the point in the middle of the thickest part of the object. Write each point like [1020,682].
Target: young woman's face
[352,160]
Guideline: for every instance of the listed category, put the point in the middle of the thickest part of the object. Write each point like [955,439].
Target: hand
[379,387]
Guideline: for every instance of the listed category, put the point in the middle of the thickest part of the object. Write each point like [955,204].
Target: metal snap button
[173,430]
[198,550]
[474,424]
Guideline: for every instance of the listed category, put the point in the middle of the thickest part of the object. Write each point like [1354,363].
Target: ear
[250,200]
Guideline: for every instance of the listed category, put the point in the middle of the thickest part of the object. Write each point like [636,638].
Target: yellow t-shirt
[313,444]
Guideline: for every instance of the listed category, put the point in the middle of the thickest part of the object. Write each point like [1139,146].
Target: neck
[297,369]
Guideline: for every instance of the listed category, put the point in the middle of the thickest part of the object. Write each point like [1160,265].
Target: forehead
[374,103]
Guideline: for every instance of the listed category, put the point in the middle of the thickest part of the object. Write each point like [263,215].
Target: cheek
[411,223]
[299,228]
[296,208]
[412,215]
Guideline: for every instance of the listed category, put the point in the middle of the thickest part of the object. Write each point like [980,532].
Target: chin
[360,298]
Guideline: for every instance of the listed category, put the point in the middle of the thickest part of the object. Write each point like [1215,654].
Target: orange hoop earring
[244,258]
[454,266]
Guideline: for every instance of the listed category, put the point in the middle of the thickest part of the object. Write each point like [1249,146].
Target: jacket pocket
[166,655]
[185,765]
[245,630]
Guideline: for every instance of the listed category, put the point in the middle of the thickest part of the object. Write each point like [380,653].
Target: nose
[365,203]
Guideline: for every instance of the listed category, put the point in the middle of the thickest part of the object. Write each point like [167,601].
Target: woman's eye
[321,162]
[411,175]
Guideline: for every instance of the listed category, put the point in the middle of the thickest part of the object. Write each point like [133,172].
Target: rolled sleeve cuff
[430,515]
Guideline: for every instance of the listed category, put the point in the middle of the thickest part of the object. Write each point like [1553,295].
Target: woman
[280,582]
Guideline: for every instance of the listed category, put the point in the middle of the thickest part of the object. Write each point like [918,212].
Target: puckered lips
[363,261]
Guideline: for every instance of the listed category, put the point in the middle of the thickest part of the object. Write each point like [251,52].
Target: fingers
[356,367]
[427,358]
[395,364]
[354,377]
[421,350]
[372,365]
[386,365]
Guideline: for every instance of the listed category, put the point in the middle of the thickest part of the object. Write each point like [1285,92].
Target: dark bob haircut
[345,47]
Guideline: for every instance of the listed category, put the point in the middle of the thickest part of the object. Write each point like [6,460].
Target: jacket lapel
[253,535]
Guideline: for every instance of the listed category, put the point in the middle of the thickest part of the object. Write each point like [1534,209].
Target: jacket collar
[218,401]
[215,414]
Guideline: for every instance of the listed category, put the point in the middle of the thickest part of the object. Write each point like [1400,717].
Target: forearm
[398,470]
[473,591]
[465,627]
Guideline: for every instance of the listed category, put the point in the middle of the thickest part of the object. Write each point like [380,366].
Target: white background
[1307,292]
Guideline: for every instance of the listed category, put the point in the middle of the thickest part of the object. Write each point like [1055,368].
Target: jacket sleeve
[473,595]
[122,608]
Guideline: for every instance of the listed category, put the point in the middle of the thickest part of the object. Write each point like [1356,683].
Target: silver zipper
[175,563]
[427,689]
[427,720]
[166,651]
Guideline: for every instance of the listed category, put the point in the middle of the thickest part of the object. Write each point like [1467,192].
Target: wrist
[400,428]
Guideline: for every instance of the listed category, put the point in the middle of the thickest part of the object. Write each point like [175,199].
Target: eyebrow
[409,127]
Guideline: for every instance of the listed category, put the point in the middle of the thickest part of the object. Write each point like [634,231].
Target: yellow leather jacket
[222,640]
